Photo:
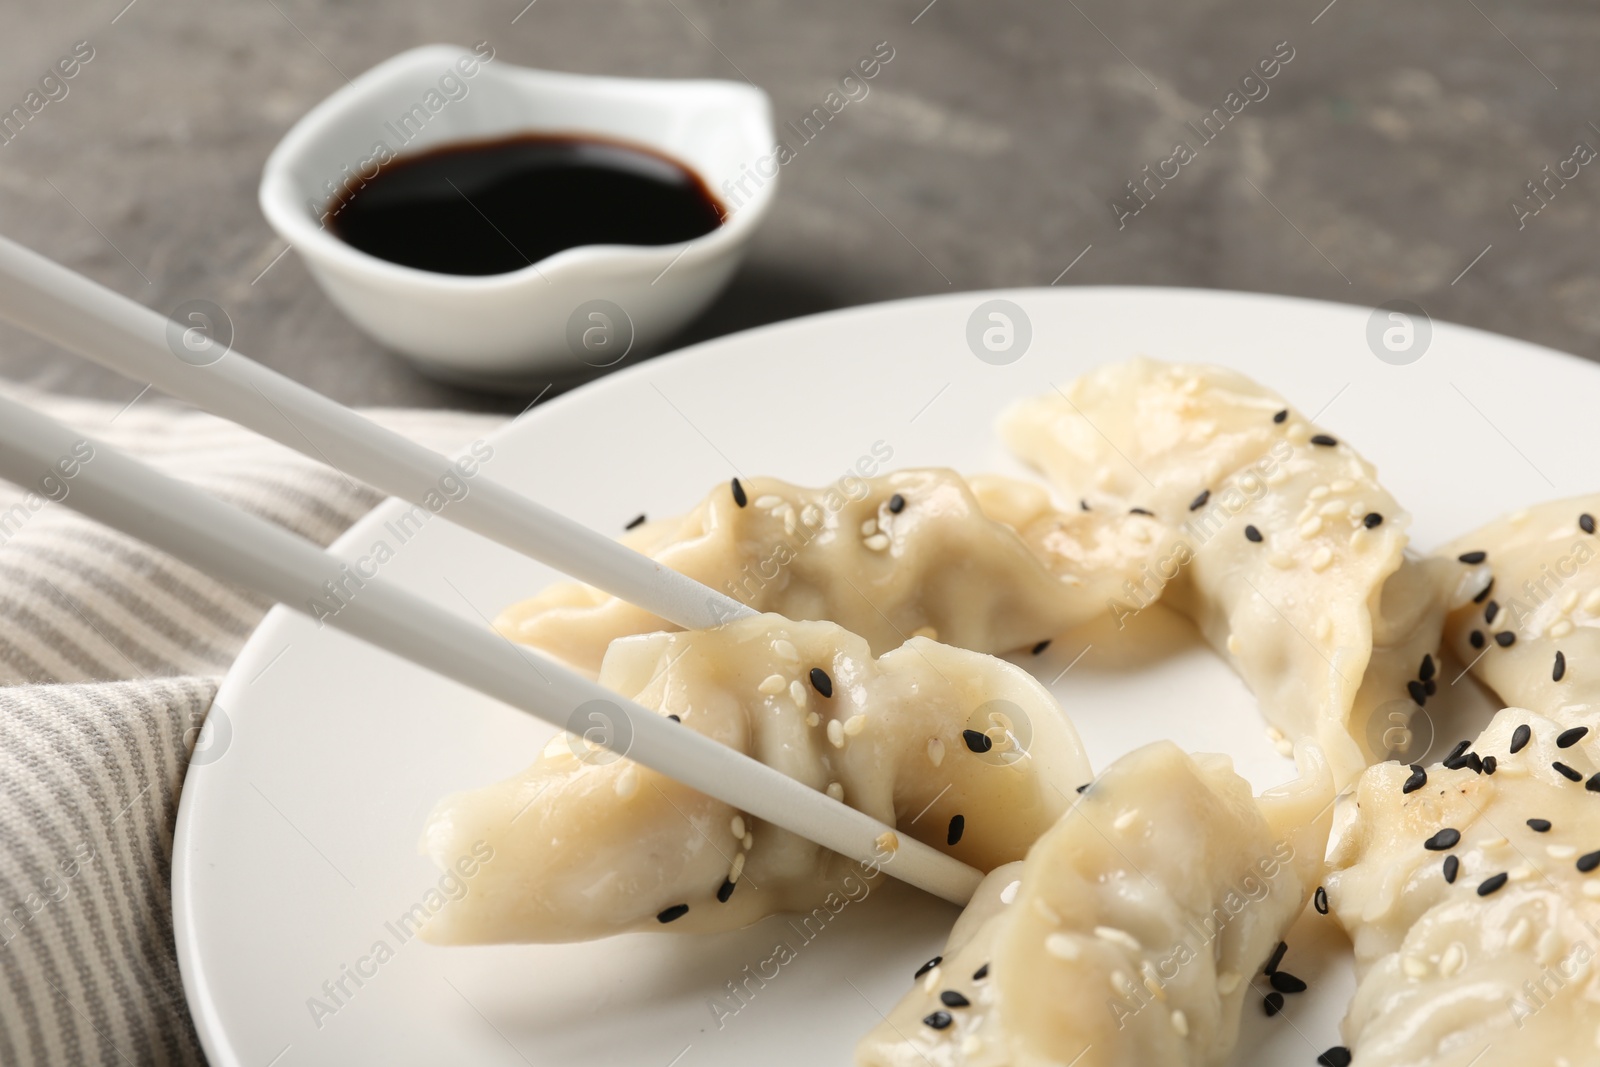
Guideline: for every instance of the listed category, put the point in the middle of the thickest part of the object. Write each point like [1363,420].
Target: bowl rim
[280,202]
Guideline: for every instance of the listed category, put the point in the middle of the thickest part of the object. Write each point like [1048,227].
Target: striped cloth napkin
[110,654]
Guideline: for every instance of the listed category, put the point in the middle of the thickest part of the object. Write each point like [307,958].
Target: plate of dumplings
[1257,670]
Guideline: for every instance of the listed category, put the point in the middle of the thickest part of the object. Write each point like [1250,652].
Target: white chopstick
[62,306]
[229,544]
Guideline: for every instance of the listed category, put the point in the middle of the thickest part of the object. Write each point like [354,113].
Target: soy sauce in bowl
[492,207]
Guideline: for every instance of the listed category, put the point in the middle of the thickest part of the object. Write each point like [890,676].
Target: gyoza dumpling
[1284,548]
[910,553]
[1130,935]
[1534,638]
[1473,904]
[957,749]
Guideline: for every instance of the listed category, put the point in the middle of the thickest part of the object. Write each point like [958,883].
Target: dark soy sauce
[490,207]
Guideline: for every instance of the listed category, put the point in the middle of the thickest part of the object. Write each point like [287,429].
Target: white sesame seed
[877,542]
[772,685]
[768,500]
[1126,819]
[1332,507]
[789,523]
[1311,528]
[854,725]
[813,719]
[627,782]
[1274,734]
[1227,982]
[1521,874]
[1414,967]
[926,631]
[1299,432]
[1569,601]
[1591,888]
[1180,1023]
[935,751]
[1454,958]
[1561,628]
[1494,842]
[1062,946]
[835,733]
[836,791]
[1009,893]
[1233,644]
[738,867]
[1517,516]
[786,650]
[1561,852]
[1548,950]
[797,693]
[749,840]
[1048,914]
[1281,560]
[1122,983]
[930,982]
[971,1045]
[1147,975]
[1519,934]
[1285,748]
[1321,558]
[736,824]
[888,842]
[869,527]
[1118,937]
[1343,485]
[1591,601]
[1358,509]
[810,515]
[1317,492]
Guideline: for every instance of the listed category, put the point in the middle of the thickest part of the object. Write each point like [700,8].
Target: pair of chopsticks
[120,491]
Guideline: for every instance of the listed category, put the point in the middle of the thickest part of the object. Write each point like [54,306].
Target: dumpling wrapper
[1325,617]
[991,567]
[586,845]
[1167,875]
[1443,970]
[1547,594]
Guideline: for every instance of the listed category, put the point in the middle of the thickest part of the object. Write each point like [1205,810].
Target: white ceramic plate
[296,845]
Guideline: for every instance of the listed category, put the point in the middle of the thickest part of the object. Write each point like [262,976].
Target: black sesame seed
[1473,558]
[1082,788]
[821,682]
[1475,762]
[1458,751]
[958,826]
[1272,1004]
[1588,861]
[1539,826]
[1567,772]
[1319,900]
[1559,671]
[637,522]
[926,967]
[1505,638]
[1041,646]
[1418,779]
[981,973]
[978,742]
[1489,885]
[1490,612]
[1520,738]
[1140,511]
[1426,670]
[1083,505]
[1483,593]
[1476,639]
[674,718]
[951,999]
[724,891]
[1430,687]
[1444,840]
[738,494]
[1280,416]
[677,911]
[1568,738]
[1252,534]
[1284,982]
[897,504]
[1372,520]
[1200,501]
[939,1020]
[1324,440]
[1452,867]
[1419,692]
[1490,764]
[1337,1056]
[1593,784]
[1586,523]
[1275,959]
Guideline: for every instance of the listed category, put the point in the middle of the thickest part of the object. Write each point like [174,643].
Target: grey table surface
[1383,163]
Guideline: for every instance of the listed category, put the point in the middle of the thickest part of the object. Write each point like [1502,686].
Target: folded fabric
[110,654]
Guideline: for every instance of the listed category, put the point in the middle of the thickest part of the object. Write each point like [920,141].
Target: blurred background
[1386,160]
